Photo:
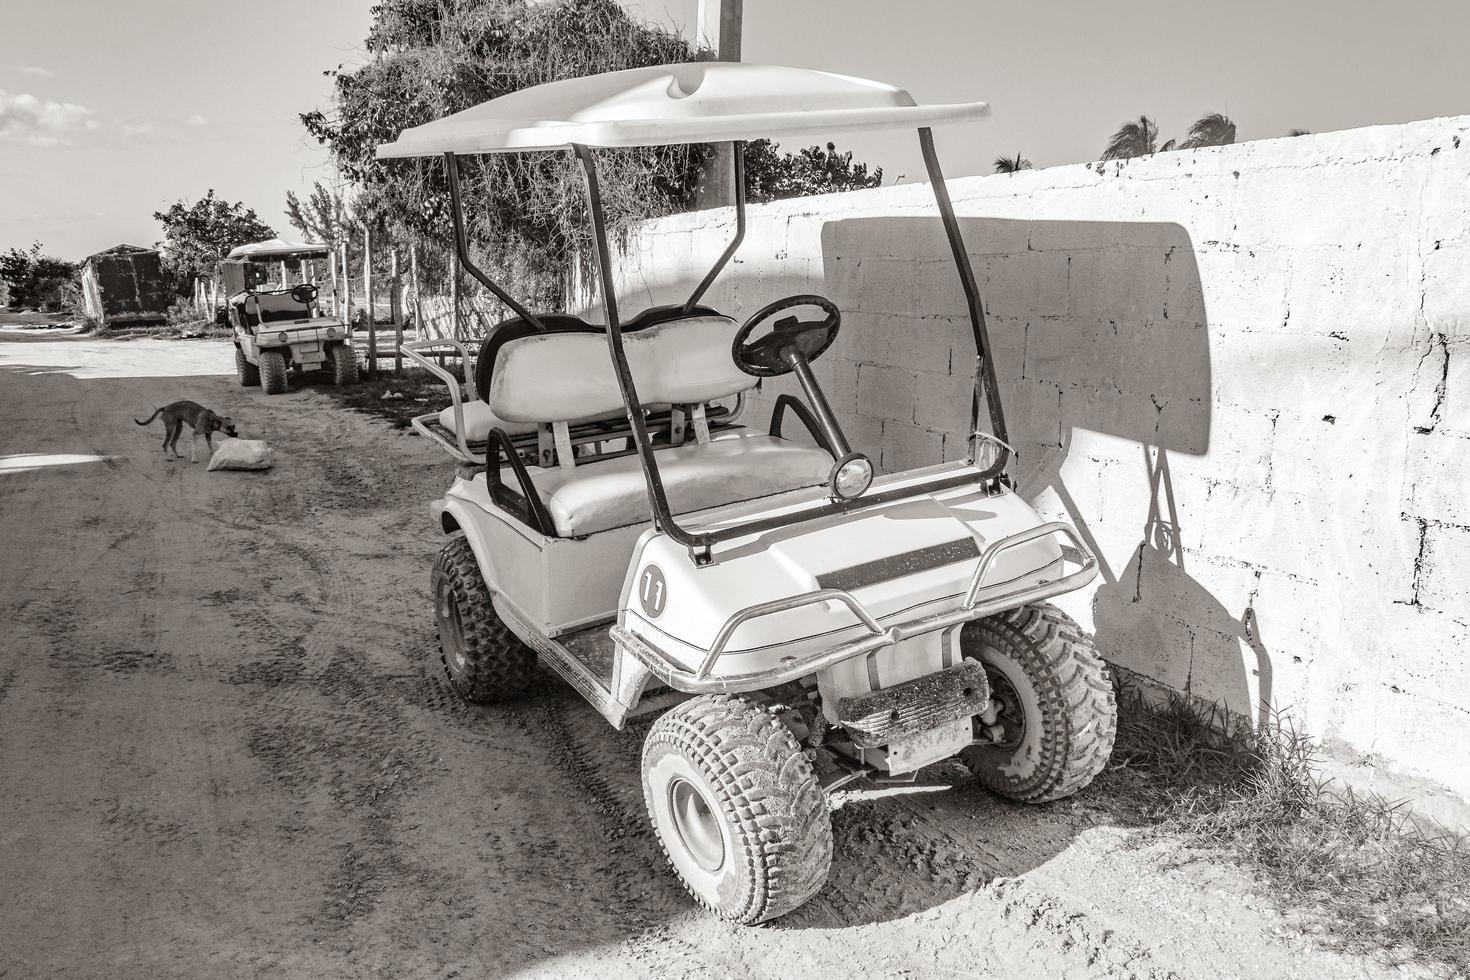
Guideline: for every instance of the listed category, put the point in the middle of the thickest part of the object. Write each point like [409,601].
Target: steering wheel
[305,293]
[771,355]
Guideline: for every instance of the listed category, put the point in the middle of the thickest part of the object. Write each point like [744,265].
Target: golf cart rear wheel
[1056,714]
[736,807]
[484,661]
[273,372]
[344,364]
[248,373]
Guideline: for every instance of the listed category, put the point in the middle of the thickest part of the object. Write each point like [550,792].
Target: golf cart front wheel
[344,364]
[736,807]
[1053,707]
[273,372]
[484,661]
[248,373]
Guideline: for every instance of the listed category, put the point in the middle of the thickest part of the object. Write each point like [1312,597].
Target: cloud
[41,122]
[196,120]
[31,70]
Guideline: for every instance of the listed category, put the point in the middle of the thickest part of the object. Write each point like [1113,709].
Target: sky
[107,117]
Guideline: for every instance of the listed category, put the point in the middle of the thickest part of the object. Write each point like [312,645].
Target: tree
[323,217]
[33,280]
[1011,165]
[772,176]
[1133,139]
[525,212]
[196,236]
[1211,129]
[1299,132]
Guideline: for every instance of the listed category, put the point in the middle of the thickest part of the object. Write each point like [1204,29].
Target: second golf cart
[278,326]
[800,621]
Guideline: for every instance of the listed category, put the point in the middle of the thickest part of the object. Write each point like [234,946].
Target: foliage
[196,236]
[1133,139]
[525,212]
[1141,138]
[1212,129]
[34,280]
[772,176]
[323,217]
[1299,132]
[1359,867]
[1011,165]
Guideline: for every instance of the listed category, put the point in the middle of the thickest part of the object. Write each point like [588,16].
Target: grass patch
[1367,875]
[394,398]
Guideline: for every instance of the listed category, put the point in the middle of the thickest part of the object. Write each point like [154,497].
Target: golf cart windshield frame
[701,543]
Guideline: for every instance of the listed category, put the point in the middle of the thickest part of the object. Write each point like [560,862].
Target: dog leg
[194,446]
[168,431]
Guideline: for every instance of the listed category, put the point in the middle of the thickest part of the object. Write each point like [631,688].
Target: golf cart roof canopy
[276,248]
[697,102]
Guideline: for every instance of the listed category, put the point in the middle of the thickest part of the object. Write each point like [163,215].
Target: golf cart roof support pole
[972,301]
[658,501]
[738,148]
[462,248]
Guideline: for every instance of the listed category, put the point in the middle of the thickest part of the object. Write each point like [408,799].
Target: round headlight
[283,336]
[331,332]
[851,476]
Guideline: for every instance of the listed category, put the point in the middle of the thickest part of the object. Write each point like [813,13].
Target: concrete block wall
[1242,372]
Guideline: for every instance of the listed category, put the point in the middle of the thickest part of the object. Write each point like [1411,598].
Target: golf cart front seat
[559,378]
[272,308]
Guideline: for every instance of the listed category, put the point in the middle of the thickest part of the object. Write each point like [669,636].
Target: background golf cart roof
[698,102]
[277,248]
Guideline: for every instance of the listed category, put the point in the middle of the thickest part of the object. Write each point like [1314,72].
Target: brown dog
[200,419]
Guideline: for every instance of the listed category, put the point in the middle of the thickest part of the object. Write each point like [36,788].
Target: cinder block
[1446,284]
[943,403]
[887,392]
[907,446]
[1436,477]
[1444,571]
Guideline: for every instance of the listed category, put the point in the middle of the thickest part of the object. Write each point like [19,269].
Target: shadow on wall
[1099,329]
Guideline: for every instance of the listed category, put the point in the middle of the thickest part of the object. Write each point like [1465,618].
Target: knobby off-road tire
[736,807]
[344,364]
[248,373]
[484,661]
[273,372]
[1049,679]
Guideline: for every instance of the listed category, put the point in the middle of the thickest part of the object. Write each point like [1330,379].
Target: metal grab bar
[1084,574]
[781,605]
[1089,561]
[413,350]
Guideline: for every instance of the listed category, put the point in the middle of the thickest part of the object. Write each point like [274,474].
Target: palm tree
[1133,139]
[1299,132]
[1010,165]
[1212,129]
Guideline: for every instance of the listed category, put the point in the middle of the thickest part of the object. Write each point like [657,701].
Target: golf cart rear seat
[557,379]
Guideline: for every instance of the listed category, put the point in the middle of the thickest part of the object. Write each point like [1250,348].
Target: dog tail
[156,413]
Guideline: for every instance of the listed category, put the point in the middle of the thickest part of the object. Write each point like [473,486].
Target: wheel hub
[1010,722]
[451,629]
[696,826]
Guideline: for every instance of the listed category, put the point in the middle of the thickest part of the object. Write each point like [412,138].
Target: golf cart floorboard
[584,659]
[593,649]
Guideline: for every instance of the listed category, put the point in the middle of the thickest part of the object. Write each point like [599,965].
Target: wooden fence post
[367,287]
[346,287]
[395,305]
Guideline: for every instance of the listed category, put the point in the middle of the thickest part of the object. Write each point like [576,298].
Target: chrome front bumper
[977,604]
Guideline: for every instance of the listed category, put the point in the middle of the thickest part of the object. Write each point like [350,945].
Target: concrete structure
[1243,372]
[125,286]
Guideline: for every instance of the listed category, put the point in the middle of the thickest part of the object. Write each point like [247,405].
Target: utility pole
[717,30]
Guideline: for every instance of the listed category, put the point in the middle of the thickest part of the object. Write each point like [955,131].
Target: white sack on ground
[241,454]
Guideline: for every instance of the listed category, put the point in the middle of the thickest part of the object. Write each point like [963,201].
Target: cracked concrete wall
[1243,373]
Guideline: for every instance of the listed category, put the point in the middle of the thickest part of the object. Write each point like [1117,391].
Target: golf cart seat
[479,419]
[559,378]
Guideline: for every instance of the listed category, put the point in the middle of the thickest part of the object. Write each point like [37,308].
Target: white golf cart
[276,325]
[803,623]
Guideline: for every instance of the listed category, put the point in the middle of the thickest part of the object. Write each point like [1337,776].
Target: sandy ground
[226,750]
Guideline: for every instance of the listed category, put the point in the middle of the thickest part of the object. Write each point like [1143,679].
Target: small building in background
[126,286]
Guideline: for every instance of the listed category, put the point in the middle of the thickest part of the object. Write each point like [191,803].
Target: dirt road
[226,750]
